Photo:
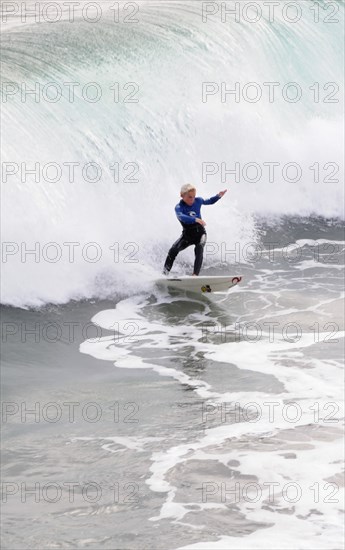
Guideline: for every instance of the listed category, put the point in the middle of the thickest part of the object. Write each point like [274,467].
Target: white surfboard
[200,284]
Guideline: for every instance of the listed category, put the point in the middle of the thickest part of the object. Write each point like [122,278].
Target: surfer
[194,233]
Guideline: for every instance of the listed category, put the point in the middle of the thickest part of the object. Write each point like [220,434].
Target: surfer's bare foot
[194,275]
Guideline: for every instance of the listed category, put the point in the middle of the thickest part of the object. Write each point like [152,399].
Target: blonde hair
[186,188]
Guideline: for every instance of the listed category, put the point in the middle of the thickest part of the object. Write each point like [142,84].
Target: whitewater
[139,417]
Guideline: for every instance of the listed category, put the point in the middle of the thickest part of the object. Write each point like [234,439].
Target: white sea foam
[309,435]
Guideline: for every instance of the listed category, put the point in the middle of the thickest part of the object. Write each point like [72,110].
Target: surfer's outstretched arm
[214,199]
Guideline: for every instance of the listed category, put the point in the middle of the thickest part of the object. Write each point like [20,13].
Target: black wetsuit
[193,233]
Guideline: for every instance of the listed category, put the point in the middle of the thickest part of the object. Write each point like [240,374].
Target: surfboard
[204,285]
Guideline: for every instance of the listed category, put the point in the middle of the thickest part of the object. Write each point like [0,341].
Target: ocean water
[134,417]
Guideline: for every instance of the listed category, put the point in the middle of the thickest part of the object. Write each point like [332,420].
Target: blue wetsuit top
[188,214]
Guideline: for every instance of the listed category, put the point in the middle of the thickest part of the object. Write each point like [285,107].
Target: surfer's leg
[199,254]
[177,247]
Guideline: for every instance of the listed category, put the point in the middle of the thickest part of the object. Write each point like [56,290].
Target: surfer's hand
[198,220]
[221,193]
